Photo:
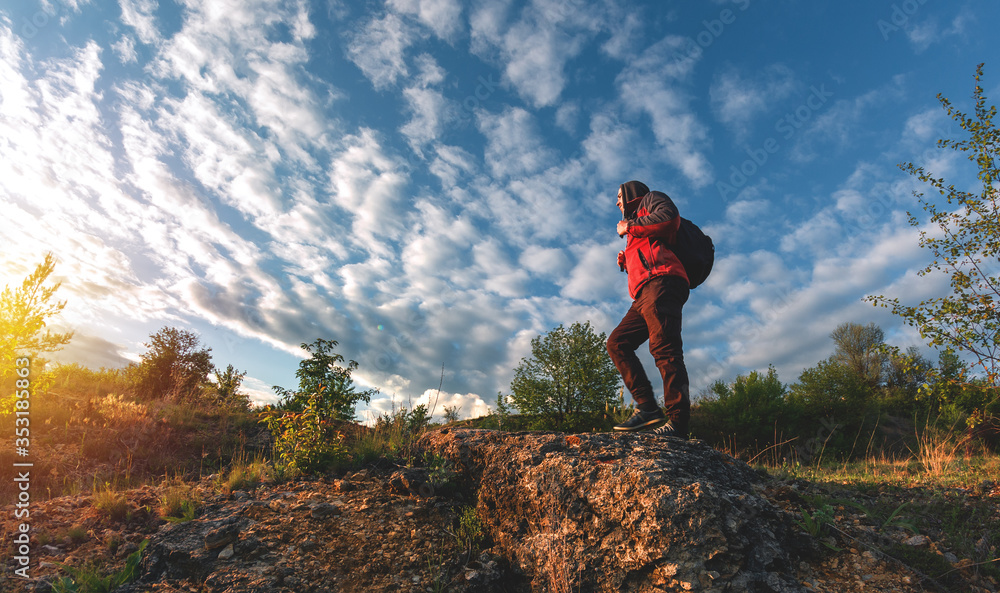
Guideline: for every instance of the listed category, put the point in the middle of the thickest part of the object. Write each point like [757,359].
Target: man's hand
[622,227]
[621,261]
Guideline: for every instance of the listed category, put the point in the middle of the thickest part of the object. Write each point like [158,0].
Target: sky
[432,183]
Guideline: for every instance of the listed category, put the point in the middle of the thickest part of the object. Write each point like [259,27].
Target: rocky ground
[397,529]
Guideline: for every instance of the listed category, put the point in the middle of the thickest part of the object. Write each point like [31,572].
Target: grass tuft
[111,502]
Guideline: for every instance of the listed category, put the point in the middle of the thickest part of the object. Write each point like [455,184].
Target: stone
[218,538]
[410,481]
[619,512]
[917,541]
[324,510]
[227,552]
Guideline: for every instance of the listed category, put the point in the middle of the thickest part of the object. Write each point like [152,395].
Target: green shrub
[303,441]
[745,414]
[470,529]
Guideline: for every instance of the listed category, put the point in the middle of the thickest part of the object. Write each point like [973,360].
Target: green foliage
[440,470]
[178,503]
[451,414]
[816,524]
[305,440]
[569,374]
[965,246]
[418,419]
[392,438]
[895,519]
[751,408]
[321,373]
[831,390]
[90,580]
[173,367]
[619,411]
[469,532]
[84,382]
[227,388]
[860,349]
[907,374]
[24,315]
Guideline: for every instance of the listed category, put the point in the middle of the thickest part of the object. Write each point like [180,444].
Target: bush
[303,440]
[174,366]
[745,413]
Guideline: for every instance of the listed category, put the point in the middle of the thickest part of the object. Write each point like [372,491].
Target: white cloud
[624,34]
[444,17]
[494,271]
[368,184]
[379,50]
[548,263]
[611,145]
[450,163]
[514,146]
[125,48]
[428,107]
[835,119]
[596,276]
[535,49]
[924,33]
[651,85]
[567,115]
[139,14]
[737,99]
[925,128]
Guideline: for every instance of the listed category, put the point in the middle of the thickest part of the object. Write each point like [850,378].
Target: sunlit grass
[959,472]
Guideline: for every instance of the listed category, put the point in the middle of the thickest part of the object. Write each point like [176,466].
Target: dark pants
[655,315]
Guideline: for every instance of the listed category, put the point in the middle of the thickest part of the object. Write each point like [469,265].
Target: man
[659,288]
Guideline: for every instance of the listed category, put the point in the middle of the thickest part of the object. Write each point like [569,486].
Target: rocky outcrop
[624,512]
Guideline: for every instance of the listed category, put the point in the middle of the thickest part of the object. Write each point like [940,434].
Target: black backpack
[695,250]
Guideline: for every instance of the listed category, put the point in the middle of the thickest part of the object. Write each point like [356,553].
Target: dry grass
[110,502]
[936,449]
[178,501]
[91,436]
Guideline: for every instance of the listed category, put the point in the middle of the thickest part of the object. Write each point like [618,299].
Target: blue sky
[432,183]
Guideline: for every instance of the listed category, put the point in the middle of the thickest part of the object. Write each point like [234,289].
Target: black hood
[632,192]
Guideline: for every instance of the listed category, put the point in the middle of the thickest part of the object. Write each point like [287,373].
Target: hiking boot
[641,420]
[668,430]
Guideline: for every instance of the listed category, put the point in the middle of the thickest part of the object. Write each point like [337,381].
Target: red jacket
[653,222]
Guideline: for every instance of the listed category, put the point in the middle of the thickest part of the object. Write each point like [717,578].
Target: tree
[906,376]
[174,366]
[862,349]
[966,246]
[322,374]
[227,387]
[832,390]
[569,373]
[24,315]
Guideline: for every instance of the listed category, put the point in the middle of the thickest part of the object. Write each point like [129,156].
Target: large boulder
[624,512]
